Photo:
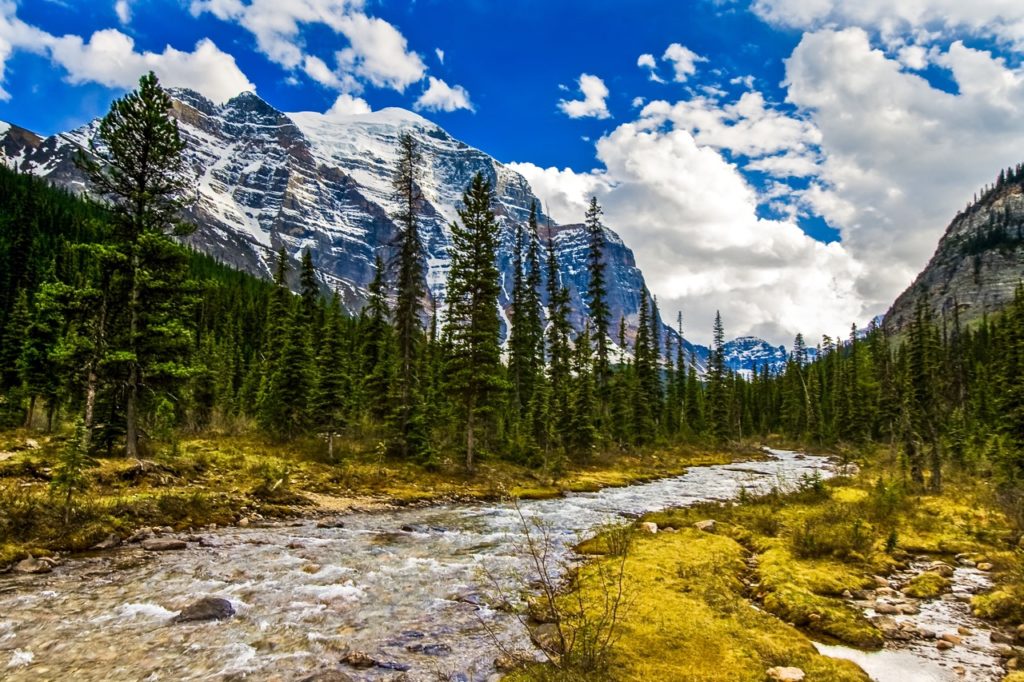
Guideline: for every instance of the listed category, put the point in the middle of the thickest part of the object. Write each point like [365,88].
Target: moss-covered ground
[732,603]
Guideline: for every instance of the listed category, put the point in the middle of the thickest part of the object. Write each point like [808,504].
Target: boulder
[547,637]
[207,608]
[140,535]
[33,566]
[328,676]
[155,545]
[785,674]
[984,566]
[952,639]
[1004,651]
[649,527]
[330,523]
[944,645]
[999,637]
[359,660]
[707,525]
[110,542]
[880,581]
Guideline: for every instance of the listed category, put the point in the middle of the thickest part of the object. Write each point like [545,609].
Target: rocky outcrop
[978,263]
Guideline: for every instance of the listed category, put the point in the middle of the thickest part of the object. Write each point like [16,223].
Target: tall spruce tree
[597,295]
[718,389]
[328,403]
[136,162]
[475,371]
[410,290]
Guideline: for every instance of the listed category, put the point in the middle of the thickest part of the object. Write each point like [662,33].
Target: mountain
[749,354]
[979,260]
[268,179]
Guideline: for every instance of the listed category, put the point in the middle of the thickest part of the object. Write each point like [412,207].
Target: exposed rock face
[267,179]
[977,265]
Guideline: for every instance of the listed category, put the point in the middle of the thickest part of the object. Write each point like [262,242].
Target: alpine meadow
[299,385]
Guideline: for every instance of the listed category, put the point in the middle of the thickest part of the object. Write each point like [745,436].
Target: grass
[794,553]
[689,618]
[223,478]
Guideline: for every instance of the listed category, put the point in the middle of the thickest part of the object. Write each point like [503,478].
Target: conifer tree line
[107,321]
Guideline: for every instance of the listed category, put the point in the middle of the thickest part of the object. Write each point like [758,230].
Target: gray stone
[207,608]
[33,566]
[110,542]
[707,525]
[156,545]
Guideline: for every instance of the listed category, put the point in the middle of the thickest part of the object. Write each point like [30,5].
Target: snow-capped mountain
[267,179]
[749,354]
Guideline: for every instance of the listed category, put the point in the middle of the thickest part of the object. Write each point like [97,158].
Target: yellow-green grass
[687,617]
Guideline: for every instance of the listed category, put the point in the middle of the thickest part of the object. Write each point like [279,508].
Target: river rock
[207,608]
[944,645]
[155,545]
[785,674]
[243,522]
[940,567]
[984,566]
[330,523]
[548,637]
[880,581]
[439,649]
[110,542]
[1000,637]
[328,676]
[951,638]
[140,535]
[969,563]
[649,527]
[33,566]
[887,609]
[359,660]
[509,662]
[706,526]
[1020,632]
[1004,650]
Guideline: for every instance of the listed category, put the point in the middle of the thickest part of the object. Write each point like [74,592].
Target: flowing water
[919,660]
[304,595]
[410,588]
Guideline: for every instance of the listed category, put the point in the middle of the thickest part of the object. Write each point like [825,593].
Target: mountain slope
[979,260]
[266,179]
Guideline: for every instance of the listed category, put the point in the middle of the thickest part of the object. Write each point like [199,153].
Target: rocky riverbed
[931,636]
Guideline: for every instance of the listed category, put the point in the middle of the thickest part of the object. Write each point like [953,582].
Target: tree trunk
[469,436]
[132,407]
[330,446]
[31,411]
[936,478]
[914,457]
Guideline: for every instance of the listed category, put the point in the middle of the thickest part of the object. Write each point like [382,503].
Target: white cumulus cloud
[684,61]
[347,105]
[593,104]
[439,96]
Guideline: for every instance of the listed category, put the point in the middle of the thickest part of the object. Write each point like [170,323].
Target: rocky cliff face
[266,179]
[979,261]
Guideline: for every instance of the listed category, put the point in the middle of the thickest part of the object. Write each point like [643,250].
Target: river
[408,587]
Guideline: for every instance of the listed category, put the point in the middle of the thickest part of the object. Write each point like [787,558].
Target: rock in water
[155,545]
[359,660]
[110,542]
[328,676]
[33,566]
[784,674]
[207,608]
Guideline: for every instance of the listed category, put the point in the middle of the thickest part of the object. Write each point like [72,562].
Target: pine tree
[286,405]
[559,408]
[15,334]
[583,431]
[137,164]
[310,295]
[410,291]
[718,398]
[475,371]
[328,401]
[40,374]
[377,348]
[597,294]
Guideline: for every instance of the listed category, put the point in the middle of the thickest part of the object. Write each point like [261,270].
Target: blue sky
[791,162]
